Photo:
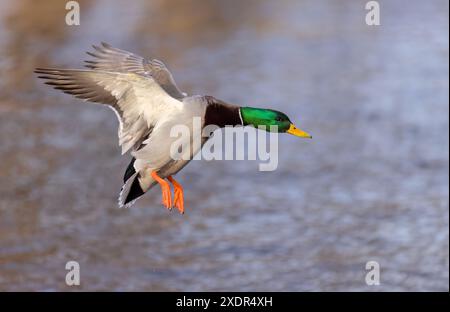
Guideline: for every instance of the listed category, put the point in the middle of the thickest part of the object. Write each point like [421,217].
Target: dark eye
[279,119]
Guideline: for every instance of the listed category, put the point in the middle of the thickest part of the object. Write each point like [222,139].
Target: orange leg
[165,189]
[178,194]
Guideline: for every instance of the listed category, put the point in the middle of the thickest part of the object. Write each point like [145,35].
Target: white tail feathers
[125,191]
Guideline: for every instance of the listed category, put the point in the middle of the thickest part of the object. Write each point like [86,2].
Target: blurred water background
[373,184]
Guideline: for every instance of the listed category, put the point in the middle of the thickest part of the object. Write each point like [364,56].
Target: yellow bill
[297,132]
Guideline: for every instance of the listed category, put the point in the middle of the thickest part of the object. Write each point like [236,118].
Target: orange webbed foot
[178,195]
[165,190]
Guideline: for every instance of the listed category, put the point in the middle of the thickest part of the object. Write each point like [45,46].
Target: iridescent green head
[265,118]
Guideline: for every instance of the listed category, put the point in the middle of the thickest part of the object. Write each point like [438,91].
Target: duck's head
[265,118]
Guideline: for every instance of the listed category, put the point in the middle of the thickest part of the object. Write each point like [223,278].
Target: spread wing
[107,58]
[139,101]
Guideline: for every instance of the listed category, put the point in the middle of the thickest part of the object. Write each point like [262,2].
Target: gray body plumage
[147,102]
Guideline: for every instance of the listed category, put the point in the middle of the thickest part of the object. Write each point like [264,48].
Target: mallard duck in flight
[148,103]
